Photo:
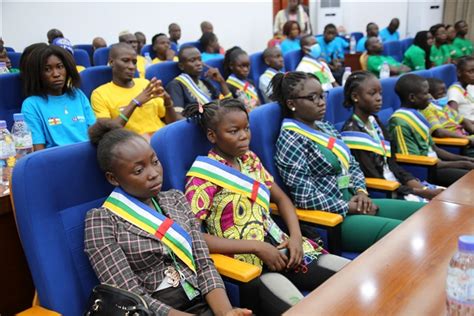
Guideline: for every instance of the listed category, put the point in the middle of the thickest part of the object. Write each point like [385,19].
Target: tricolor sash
[335,145]
[270,73]
[226,177]
[196,92]
[415,119]
[319,69]
[144,217]
[363,141]
[459,87]
[245,86]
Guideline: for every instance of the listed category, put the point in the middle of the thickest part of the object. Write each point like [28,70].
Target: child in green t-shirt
[417,55]
[439,53]
[4,58]
[454,51]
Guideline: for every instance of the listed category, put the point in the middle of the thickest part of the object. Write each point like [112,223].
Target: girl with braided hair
[230,191]
[236,71]
[319,170]
[369,141]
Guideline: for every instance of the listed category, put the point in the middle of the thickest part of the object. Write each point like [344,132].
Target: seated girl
[319,170]
[236,70]
[417,56]
[57,112]
[369,141]
[292,31]
[230,190]
[125,242]
[461,93]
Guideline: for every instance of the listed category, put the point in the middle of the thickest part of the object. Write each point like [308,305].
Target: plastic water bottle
[7,153]
[384,71]
[460,280]
[345,75]
[352,45]
[148,61]
[22,136]
[4,68]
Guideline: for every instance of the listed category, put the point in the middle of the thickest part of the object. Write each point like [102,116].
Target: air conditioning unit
[324,12]
[423,14]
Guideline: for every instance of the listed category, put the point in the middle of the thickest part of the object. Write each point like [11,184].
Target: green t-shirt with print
[375,62]
[415,58]
[464,45]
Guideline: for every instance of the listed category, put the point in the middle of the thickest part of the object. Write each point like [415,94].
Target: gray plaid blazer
[125,256]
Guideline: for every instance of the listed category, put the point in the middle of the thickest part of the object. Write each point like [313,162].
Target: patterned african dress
[229,214]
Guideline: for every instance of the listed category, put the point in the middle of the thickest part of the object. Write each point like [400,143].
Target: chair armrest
[451,141]
[235,269]
[381,184]
[314,216]
[38,311]
[417,160]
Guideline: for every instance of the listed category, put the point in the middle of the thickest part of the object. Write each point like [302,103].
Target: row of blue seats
[397,49]
[11,95]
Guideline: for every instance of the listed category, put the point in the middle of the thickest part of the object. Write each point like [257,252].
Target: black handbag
[107,300]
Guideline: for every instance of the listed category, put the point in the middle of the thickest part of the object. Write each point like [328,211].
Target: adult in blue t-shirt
[372,29]
[57,112]
[390,33]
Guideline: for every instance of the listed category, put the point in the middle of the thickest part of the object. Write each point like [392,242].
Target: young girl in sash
[369,142]
[319,170]
[461,93]
[411,131]
[144,240]
[236,70]
[230,191]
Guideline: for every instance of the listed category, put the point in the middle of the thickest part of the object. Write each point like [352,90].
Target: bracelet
[424,188]
[363,191]
[123,117]
[137,103]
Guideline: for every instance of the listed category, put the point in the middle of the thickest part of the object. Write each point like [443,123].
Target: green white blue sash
[226,177]
[335,145]
[245,86]
[459,87]
[319,70]
[270,73]
[416,121]
[196,92]
[144,217]
[363,141]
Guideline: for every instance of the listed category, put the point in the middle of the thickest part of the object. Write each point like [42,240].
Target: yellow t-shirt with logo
[108,100]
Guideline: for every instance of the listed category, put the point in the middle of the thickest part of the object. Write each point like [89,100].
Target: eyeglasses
[312,97]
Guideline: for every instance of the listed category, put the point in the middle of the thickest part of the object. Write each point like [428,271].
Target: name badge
[343,182]
[190,291]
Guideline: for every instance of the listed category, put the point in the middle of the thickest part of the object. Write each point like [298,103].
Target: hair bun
[100,129]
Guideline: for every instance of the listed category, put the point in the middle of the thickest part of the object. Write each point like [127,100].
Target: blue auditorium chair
[292,59]
[405,43]
[82,57]
[87,47]
[165,71]
[425,73]
[216,63]
[357,35]
[257,68]
[101,56]
[148,49]
[196,44]
[9,49]
[394,49]
[14,59]
[52,191]
[11,97]
[93,77]
[447,73]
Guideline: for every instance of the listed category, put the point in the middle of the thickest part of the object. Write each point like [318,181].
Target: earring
[355,100]
[293,109]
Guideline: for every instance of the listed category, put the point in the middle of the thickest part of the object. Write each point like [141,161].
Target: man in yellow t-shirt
[131,39]
[137,104]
